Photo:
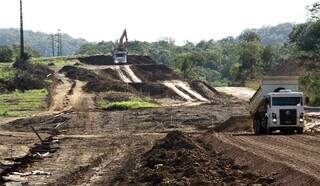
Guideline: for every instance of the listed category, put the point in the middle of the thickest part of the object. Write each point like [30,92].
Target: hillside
[273,34]
[39,41]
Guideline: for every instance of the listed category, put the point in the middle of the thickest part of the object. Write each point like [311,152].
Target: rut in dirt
[291,159]
[68,95]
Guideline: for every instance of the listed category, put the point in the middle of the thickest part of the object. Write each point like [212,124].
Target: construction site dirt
[197,136]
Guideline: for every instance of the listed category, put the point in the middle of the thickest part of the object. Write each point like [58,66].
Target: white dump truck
[278,105]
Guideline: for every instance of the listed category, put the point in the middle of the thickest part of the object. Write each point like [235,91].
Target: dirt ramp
[109,74]
[104,86]
[235,124]
[154,73]
[108,60]
[78,73]
[155,90]
[205,90]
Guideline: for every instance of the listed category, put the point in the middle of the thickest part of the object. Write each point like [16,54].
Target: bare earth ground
[91,147]
[243,93]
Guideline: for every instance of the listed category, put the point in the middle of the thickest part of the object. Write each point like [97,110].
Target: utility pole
[22,55]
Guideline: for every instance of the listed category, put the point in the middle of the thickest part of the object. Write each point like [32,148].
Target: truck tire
[268,131]
[257,127]
[300,130]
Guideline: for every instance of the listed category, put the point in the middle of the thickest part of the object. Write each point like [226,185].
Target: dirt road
[243,93]
[291,159]
[69,94]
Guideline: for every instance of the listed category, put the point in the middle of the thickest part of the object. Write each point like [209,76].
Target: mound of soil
[235,124]
[153,73]
[179,160]
[205,89]
[6,86]
[109,74]
[108,60]
[117,96]
[103,86]
[32,77]
[155,90]
[81,74]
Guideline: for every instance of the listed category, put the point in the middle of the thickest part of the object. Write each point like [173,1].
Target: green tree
[184,63]
[268,57]
[6,54]
[250,58]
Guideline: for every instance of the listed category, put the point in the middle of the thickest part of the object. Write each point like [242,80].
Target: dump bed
[272,84]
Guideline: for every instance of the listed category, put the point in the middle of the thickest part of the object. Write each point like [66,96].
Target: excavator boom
[124,35]
[120,54]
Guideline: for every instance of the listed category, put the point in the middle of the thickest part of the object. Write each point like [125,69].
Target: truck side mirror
[307,100]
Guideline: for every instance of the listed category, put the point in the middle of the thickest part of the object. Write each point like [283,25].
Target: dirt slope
[242,93]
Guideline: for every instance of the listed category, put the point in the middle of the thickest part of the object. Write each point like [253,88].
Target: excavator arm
[123,36]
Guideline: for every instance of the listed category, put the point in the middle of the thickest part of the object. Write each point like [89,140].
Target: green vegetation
[6,72]
[305,41]
[9,54]
[23,103]
[54,63]
[133,103]
[39,41]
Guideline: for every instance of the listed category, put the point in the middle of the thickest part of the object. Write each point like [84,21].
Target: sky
[151,20]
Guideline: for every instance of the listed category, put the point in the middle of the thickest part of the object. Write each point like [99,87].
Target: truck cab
[278,105]
[285,111]
[120,57]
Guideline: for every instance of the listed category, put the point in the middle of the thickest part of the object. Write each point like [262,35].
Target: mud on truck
[278,105]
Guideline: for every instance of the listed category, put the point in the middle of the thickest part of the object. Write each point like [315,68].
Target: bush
[6,54]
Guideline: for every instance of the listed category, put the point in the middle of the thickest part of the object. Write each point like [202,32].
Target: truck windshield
[120,55]
[286,101]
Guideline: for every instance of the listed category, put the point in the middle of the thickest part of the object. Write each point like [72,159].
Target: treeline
[40,42]
[305,39]
[225,62]
[9,54]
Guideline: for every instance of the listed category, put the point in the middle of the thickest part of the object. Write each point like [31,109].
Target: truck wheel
[257,127]
[300,130]
[268,131]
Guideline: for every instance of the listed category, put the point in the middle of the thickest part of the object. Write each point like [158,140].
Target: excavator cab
[120,54]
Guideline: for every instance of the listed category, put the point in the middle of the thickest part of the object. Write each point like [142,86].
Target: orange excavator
[120,53]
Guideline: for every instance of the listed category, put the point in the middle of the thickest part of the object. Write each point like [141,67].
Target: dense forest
[39,41]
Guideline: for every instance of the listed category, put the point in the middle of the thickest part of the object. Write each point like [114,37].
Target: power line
[56,43]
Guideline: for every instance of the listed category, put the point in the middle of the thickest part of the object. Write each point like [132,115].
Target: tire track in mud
[68,95]
[294,159]
[60,100]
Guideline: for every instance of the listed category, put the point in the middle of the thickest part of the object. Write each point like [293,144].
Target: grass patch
[134,103]
[23,103]
[6,72]
[55,63]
